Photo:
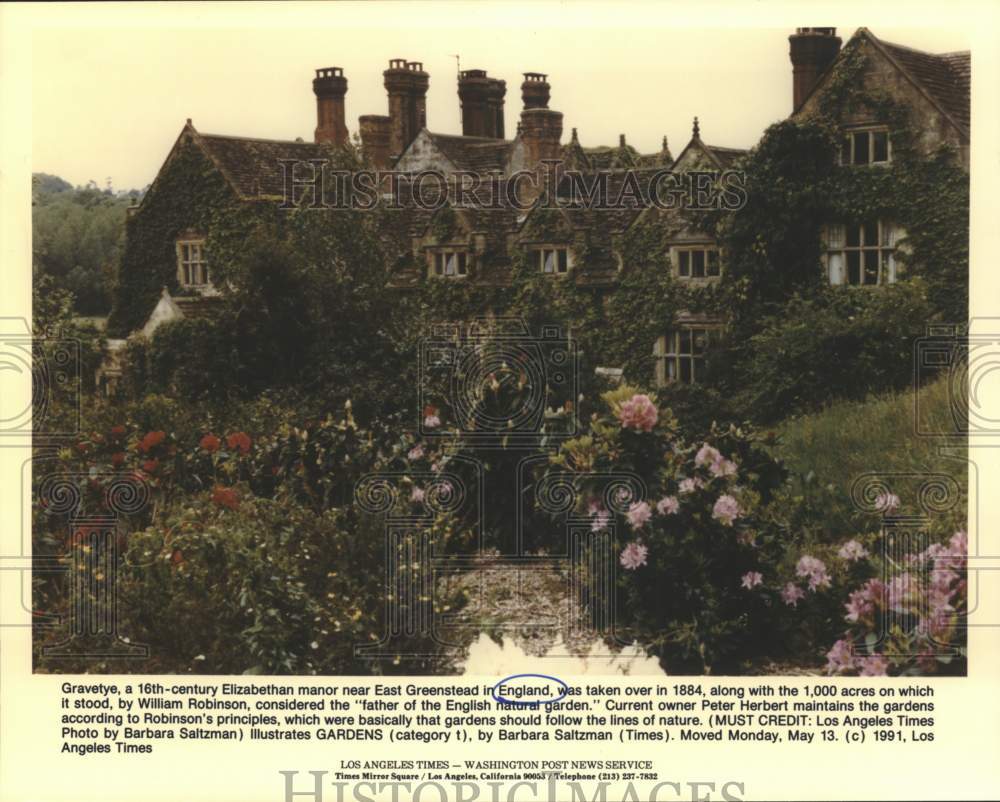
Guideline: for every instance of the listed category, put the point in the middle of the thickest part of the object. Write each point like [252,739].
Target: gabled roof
[252,165]
[722,158]
[473,153]
[943,78]
[249,165]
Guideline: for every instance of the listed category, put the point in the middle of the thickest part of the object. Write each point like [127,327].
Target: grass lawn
[848,439]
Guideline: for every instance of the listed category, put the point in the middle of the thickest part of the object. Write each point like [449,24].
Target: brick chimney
[376,135]
[541,128]
[481,100]
[330,86]
[498,90]
[473,98]
[812,50]
[406,83]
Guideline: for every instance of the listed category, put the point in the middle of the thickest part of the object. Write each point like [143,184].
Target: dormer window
[554,261]
[450,263]
[862,254]
[866,146]
[698,262]
[192,264]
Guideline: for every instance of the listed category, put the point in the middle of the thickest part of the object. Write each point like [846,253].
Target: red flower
[240,441]
[117,432]
[177,557]
[118,458]
[83,448]
[225,497]
[151,441]
[210,443]
[150,465]
[430,409]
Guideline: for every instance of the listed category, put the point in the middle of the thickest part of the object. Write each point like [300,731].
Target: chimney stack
[406,83]
[376,135]
[330,86]
[812,50]
[541,128]
[494,102]
[481,100]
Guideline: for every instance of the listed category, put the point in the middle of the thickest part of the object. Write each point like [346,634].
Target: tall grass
[848,439]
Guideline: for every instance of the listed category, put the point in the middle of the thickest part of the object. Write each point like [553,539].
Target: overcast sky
[109,101]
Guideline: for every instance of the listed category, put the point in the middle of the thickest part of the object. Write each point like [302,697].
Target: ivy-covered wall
[189,194]
[621,295]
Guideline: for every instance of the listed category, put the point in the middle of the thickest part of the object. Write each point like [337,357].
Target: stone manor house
[935,87]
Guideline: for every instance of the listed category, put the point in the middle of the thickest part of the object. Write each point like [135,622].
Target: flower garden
[252,554]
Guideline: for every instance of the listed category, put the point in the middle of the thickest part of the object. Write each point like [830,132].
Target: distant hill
[77,237]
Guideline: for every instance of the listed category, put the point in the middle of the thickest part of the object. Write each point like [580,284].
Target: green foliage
[77,239]
[836,343]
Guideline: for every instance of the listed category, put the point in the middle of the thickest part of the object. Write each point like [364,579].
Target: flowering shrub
[908,625]
[696,548]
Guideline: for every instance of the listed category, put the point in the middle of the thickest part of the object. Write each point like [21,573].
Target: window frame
[439,260]
[884,248]
[558,251]
[668,349]
[682,255]
[187,265]
[847,155]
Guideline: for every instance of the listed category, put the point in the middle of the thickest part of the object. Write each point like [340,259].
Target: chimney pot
[535,90]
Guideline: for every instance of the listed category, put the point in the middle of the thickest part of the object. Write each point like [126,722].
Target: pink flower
[723,467]
[863,601]
[638,513]
[601,521]
[668,505]
[638,413]
[726,510]
[902,593]
[686,486]
[707,455]
[432,421]
[887,502]
[874,666]
[633,556]
[815,569]
[417,495]
[852,551]
[751,579]
[415,453]
[791,594]
[840,658]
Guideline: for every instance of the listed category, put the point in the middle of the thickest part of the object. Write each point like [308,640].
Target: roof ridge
[723,147]
[917,50]
[476,140]
[259,139]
